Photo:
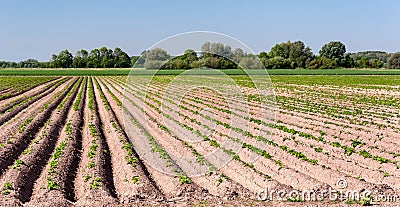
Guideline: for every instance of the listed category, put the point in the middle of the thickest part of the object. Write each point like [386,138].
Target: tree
[106,57]
[294,53]
[299,54]
[189,56]
[349,62]
[8,64]
[205,48]
[29,63]
[176,63]
[370,59]
[322,63]
[66,58]
[216,62]
[238,54]
[218,56]
[335,51]
[44,65]
[62,60]
[278,51]
[251,63]
[82,54]
[276,63]
[156,54]
[134,63]
[394,61]
[121,59]
[80,59]
[94,59]
[153,64]
[155,58]
[187,60]
[263,55]
[218,49]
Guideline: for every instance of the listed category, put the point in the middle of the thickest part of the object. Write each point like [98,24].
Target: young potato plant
[51,185]
[96,183]
[7,187]
[17,164]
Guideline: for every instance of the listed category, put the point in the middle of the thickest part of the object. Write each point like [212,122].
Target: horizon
[42,28]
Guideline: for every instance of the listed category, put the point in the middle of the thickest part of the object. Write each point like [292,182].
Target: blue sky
[36,29]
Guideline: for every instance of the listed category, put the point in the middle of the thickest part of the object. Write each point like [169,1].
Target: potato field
[118,141]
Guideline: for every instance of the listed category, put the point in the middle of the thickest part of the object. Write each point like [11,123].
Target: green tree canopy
[217,48]
[294,54]
[370,59]
[321,63]
[155,58]
[394,61]
[63,60]
[335,51]
[29,63]
[121,59]
[216,55]
[80,59]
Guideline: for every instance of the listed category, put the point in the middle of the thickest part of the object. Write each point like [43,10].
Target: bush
[153,64]
[322,63]
[276,63]
[394,61]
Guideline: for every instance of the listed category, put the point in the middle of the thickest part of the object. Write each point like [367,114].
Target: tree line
[96,58]
[286,55]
